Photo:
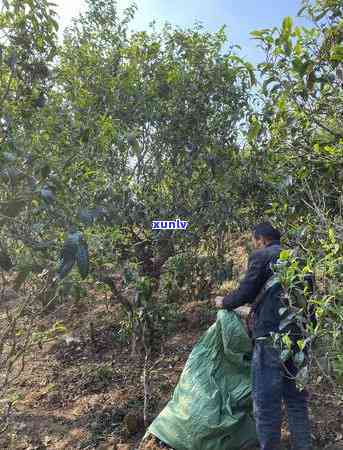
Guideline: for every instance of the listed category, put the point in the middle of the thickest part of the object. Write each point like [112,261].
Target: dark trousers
[271,385]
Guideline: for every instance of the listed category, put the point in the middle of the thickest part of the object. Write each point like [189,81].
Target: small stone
[72,340]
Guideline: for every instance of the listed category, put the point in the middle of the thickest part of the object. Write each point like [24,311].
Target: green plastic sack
[211,407]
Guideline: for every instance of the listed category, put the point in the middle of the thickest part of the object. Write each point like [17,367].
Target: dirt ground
[78,395]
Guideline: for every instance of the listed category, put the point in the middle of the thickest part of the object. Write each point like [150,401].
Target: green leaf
[285,355]
[287,24]
[54,24]
[258,34]
[331,234]
[297,63]
[298,49]
[301,344]
[302,378]
[336,53]
[299,359]
[254,129]
[287,341]
[59,327]
[251,71]
[284,255]
[281,103]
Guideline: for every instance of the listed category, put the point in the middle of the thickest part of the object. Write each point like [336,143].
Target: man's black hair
[267,231]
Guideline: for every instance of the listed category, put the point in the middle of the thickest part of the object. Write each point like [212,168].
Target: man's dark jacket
[267,318]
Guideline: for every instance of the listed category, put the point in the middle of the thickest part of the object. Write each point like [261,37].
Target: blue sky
[239,16]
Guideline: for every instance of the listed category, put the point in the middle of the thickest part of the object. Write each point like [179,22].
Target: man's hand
[218,301]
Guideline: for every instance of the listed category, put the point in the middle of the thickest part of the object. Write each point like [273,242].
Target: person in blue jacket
[271,380]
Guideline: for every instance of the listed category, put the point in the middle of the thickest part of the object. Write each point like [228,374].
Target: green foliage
[191,276]
[41,337]
[75,250]
[301,112]
[103,374]
[324,335]
[122,129]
